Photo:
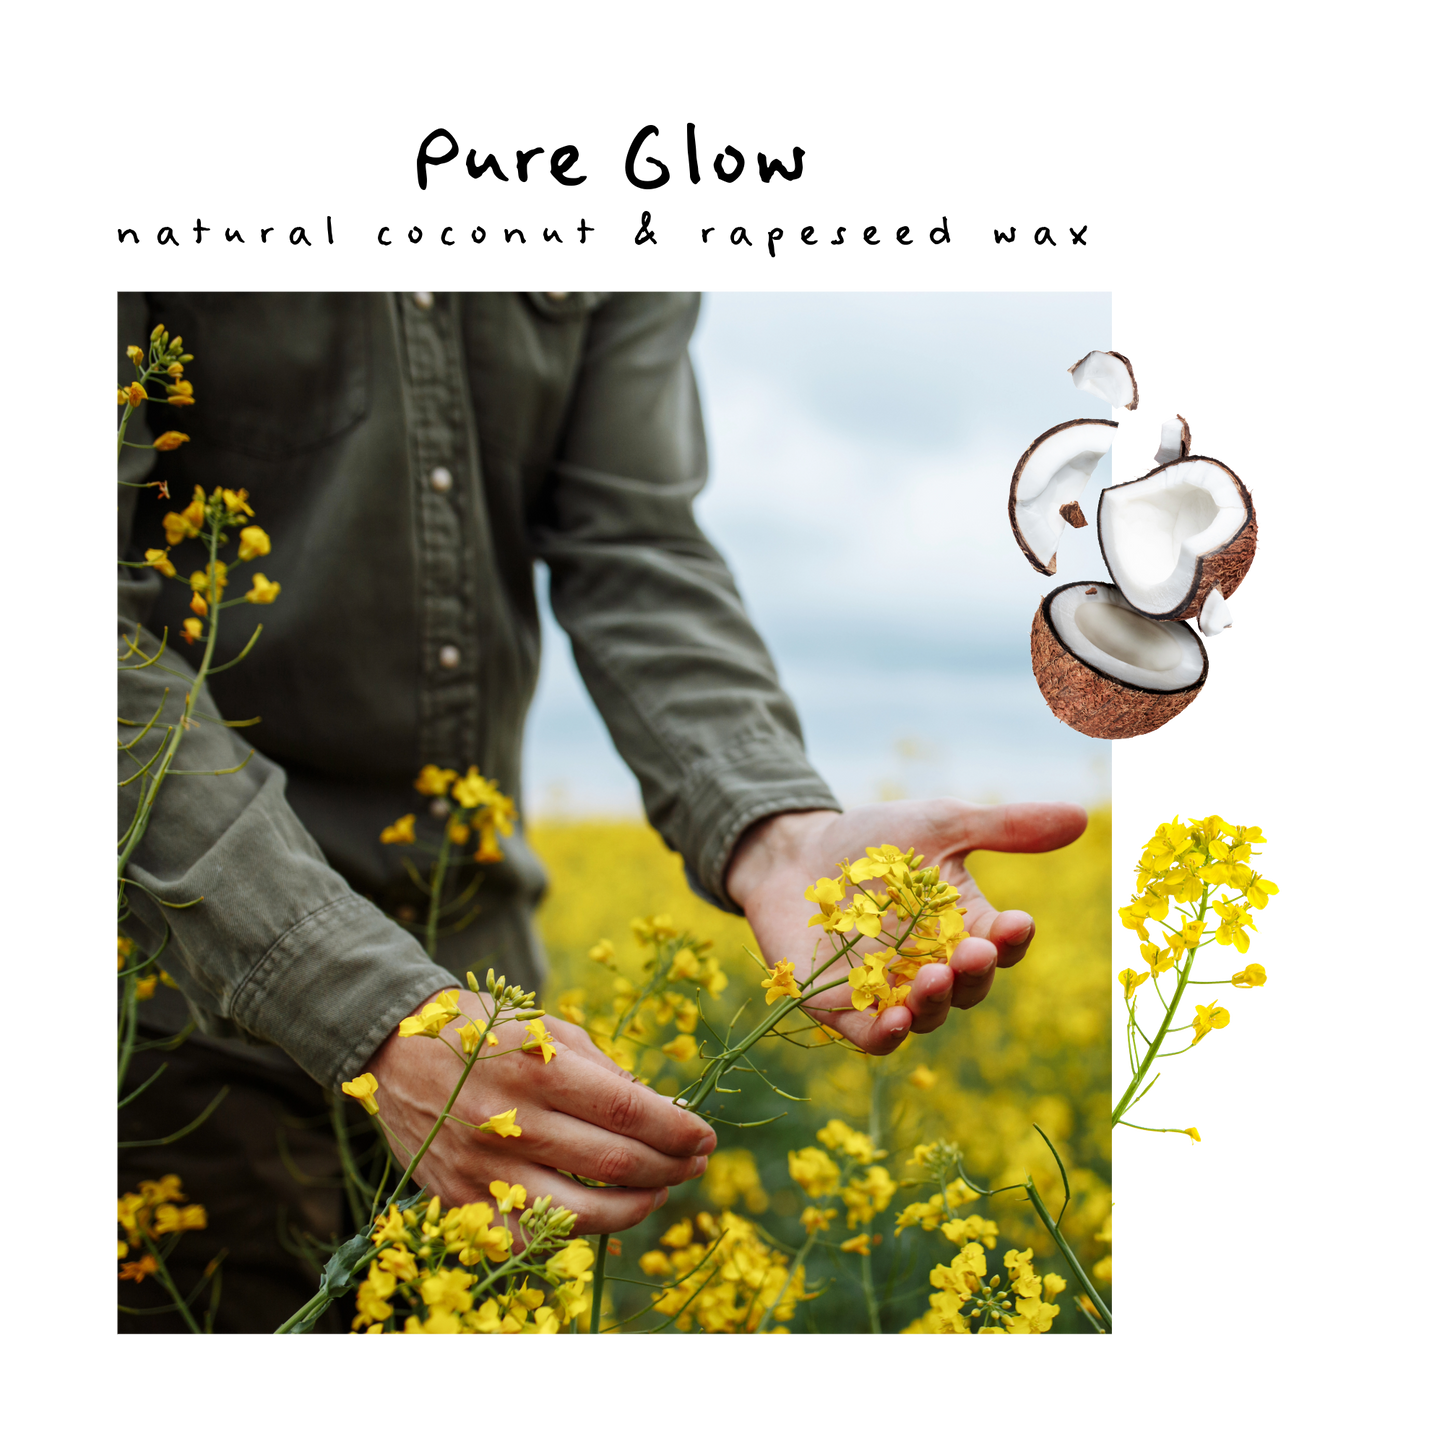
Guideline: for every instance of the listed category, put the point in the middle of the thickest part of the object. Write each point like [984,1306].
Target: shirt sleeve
[682,679]
[266,940]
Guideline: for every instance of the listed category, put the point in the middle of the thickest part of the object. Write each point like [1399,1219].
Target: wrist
[769,845]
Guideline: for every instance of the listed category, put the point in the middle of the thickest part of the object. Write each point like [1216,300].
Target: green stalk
[1158,1043]
[1075,1268]
[438,883]
[599,1278]
[164,1276]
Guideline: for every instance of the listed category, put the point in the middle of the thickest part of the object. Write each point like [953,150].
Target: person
[412,457]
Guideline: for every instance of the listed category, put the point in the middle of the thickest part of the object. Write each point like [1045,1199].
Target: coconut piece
[1073,514]
[1107,671]
[1214,615]
[1051,474]
[1173,536]
[1174,440]
[1107,374]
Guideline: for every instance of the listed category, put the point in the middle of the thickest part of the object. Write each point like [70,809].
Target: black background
[1200,1223]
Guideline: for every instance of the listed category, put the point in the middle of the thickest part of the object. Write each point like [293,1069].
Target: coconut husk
[1090,701]
[1073,514]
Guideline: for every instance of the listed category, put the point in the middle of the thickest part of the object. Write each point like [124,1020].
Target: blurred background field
[1036,1051]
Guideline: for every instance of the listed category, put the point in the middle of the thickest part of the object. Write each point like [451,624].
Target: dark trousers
[266,1167]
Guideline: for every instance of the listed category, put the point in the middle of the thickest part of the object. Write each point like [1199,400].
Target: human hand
[777,858]
[577,1112]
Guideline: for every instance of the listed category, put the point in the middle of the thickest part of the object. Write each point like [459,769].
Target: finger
[1011,933]
[565,1142]
[624,1107]
[598,1211]
[971,989]
[874,1034]
[1021,827]
[931,997]
[581,1042]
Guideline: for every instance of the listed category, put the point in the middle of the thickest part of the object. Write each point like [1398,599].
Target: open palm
[781,856]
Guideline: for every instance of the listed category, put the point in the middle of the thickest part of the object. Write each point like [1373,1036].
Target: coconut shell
[1223,568]
[1035,561]
[1133,402]
[1090,701]
[1185,441]
[1073,514]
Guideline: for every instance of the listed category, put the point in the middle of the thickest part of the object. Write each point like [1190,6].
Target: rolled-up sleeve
[264,938]
[682,679]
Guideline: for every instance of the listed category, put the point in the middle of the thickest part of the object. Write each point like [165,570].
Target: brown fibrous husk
[1223,568]
[1091,702]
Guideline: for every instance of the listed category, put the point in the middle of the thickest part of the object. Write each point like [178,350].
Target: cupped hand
[781,856]
[577,1112]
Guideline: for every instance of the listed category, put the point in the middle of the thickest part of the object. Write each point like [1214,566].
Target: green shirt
[411,457]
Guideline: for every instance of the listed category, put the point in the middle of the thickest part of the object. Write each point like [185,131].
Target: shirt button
[449,656]
[423,299]
[440,479]
[556,295]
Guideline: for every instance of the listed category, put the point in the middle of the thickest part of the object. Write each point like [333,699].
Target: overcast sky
[861,448]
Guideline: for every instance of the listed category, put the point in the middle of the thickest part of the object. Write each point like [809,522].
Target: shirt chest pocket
[276,372]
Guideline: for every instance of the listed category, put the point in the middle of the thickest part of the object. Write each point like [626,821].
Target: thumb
[1016,827]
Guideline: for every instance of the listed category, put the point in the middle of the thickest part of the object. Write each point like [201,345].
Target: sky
[861,450]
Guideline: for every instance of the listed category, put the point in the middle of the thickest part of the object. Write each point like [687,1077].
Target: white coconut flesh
[1099,627]
[1214,616]
[1050,475]
[1108,375]
[1174,440]
[1153,531]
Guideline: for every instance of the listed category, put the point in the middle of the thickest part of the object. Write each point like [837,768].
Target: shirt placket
[442,461]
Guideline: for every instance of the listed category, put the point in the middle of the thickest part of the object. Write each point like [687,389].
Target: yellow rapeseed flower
[433,781]
[1194,1134]
[238,506]
[814,1171]
[434,1016]
[363,1089]
[923,1077]
[504,1126]
[859,1244]
[1131,982]
[540,1040]
[262,590]
[682,1048]
[780,983]
[254,541]
[603,952]
[401,831]
[168,441]
[191,628]
[159,559]
[1207,1017]
[1252,975]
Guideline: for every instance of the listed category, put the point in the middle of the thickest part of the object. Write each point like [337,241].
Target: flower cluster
[845,1170]
[207,518]
[676,969]
[967,1304]
[481,808]
[914,918]
[479,1269]
[723,1278]
[155,1209]
[1185,873]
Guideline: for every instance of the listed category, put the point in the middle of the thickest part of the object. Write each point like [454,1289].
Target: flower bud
[491,981]
[159,333]
[530,1013]
[472,982]
[135,354]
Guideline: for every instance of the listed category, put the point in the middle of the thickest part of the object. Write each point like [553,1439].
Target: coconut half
[1174,440]
[1051,474]
[1107,374]
[1107,671]
[1172,537]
